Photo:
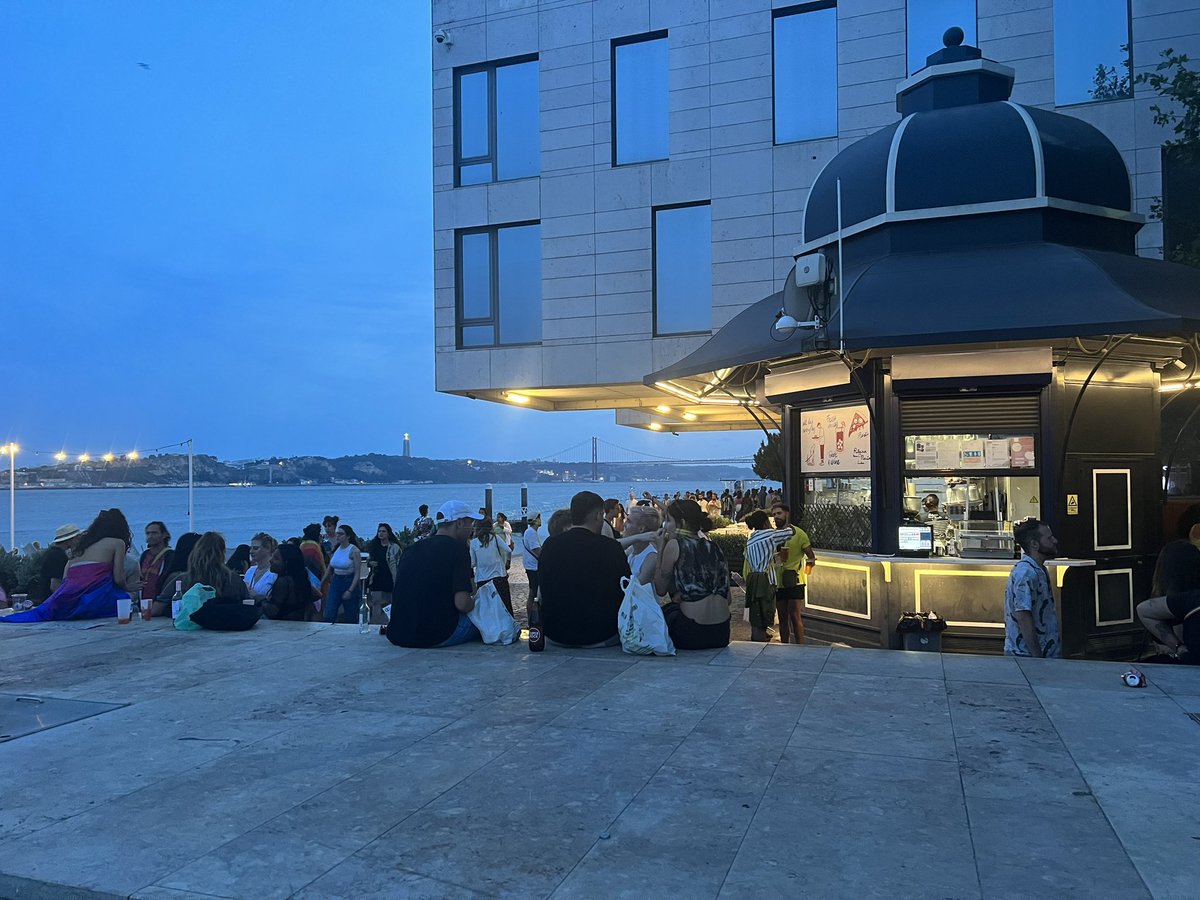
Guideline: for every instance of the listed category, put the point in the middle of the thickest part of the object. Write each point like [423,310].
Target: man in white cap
[434,585]
[54,561]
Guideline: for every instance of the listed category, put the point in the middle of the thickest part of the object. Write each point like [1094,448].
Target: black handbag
[220,614]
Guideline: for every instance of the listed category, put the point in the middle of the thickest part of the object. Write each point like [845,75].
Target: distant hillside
[372,468]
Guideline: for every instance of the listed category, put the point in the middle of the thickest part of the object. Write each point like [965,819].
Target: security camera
[442,36]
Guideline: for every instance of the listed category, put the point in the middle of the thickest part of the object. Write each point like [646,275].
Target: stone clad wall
[596,219]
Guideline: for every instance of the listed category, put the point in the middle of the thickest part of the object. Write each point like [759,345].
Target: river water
[239,512]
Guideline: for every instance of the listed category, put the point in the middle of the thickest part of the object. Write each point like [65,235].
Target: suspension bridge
[597,452]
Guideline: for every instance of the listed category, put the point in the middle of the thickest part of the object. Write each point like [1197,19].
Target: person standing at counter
[1030,620]
[797,561]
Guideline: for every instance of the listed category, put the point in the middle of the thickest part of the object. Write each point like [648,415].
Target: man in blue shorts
[434,585]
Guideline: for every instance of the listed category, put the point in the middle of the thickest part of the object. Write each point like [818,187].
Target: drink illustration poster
[835,440]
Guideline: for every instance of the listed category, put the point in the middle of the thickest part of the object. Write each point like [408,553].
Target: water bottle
[364,616]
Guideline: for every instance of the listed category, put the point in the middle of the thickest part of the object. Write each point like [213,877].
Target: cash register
[915,541]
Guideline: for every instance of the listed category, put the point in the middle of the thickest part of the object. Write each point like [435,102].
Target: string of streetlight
[62,455]
[11,449]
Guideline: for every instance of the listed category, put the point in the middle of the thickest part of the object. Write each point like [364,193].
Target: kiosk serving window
[971,487]
[835,464]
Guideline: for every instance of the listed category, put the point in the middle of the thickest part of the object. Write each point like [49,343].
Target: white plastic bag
[640,621]
[495,623]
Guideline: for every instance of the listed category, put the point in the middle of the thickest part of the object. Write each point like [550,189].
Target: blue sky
[235,243]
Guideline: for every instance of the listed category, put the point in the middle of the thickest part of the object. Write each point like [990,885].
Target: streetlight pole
[191,507]
[11,450]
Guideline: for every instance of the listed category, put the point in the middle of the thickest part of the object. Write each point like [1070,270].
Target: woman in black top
[292,594]
[383,551]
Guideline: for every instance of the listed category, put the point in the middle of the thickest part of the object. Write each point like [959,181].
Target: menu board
[835,440]
[948,452]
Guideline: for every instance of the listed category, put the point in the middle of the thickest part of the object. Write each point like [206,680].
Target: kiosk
[984,345]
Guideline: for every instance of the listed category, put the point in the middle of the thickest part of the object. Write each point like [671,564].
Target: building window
[496,121]
[683,269]
[640,125]
[1181,205]
[499,282]
[927,23]
[805,67]
[1092,57]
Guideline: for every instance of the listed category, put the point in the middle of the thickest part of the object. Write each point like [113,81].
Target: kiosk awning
[1007,293]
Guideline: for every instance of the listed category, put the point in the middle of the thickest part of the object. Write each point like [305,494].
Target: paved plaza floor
[312,761]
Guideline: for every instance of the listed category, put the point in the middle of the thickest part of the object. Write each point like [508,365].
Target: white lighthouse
[407,447]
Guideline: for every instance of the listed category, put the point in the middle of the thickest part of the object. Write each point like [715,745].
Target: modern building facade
[614,180]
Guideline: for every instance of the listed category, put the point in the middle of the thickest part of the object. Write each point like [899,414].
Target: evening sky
[216,222]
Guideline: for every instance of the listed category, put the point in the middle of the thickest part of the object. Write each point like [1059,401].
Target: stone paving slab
[307,760]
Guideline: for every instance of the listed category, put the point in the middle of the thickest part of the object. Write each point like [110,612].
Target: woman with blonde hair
[259,578]
[206,566]
[641,542]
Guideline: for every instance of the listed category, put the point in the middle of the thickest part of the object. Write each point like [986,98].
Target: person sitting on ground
[1172,614]
[178,574]
[641,542]
[53,562]
[239,560]
[206,566]
[94,577]
[260,577]
[489,560]
[157,560]
[761,572]
[342,577]
[434,589]
[581,573]
[693,571]
[292,594]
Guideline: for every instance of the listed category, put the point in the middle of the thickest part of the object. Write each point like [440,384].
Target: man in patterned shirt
[1030,620]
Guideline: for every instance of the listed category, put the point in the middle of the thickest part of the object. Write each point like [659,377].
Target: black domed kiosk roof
[1020,218]
[962,146]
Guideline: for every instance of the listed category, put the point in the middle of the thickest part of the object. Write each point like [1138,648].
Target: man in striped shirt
[761,572]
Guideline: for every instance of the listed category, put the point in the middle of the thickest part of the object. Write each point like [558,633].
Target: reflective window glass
[478,336]
[496,122]
[479,173]
[506,308]
[517,137]
[1181,205]
[641,124]
[682,270]
[473,113]
[927,23]
[520,276]
[806,78]
[476,275]
[1091,51]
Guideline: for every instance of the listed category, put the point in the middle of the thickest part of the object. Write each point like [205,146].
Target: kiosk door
[1108,518]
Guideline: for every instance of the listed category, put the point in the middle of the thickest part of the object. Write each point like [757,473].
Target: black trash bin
[921,631]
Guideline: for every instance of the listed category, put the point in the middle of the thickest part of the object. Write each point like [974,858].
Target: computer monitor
[916,540]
